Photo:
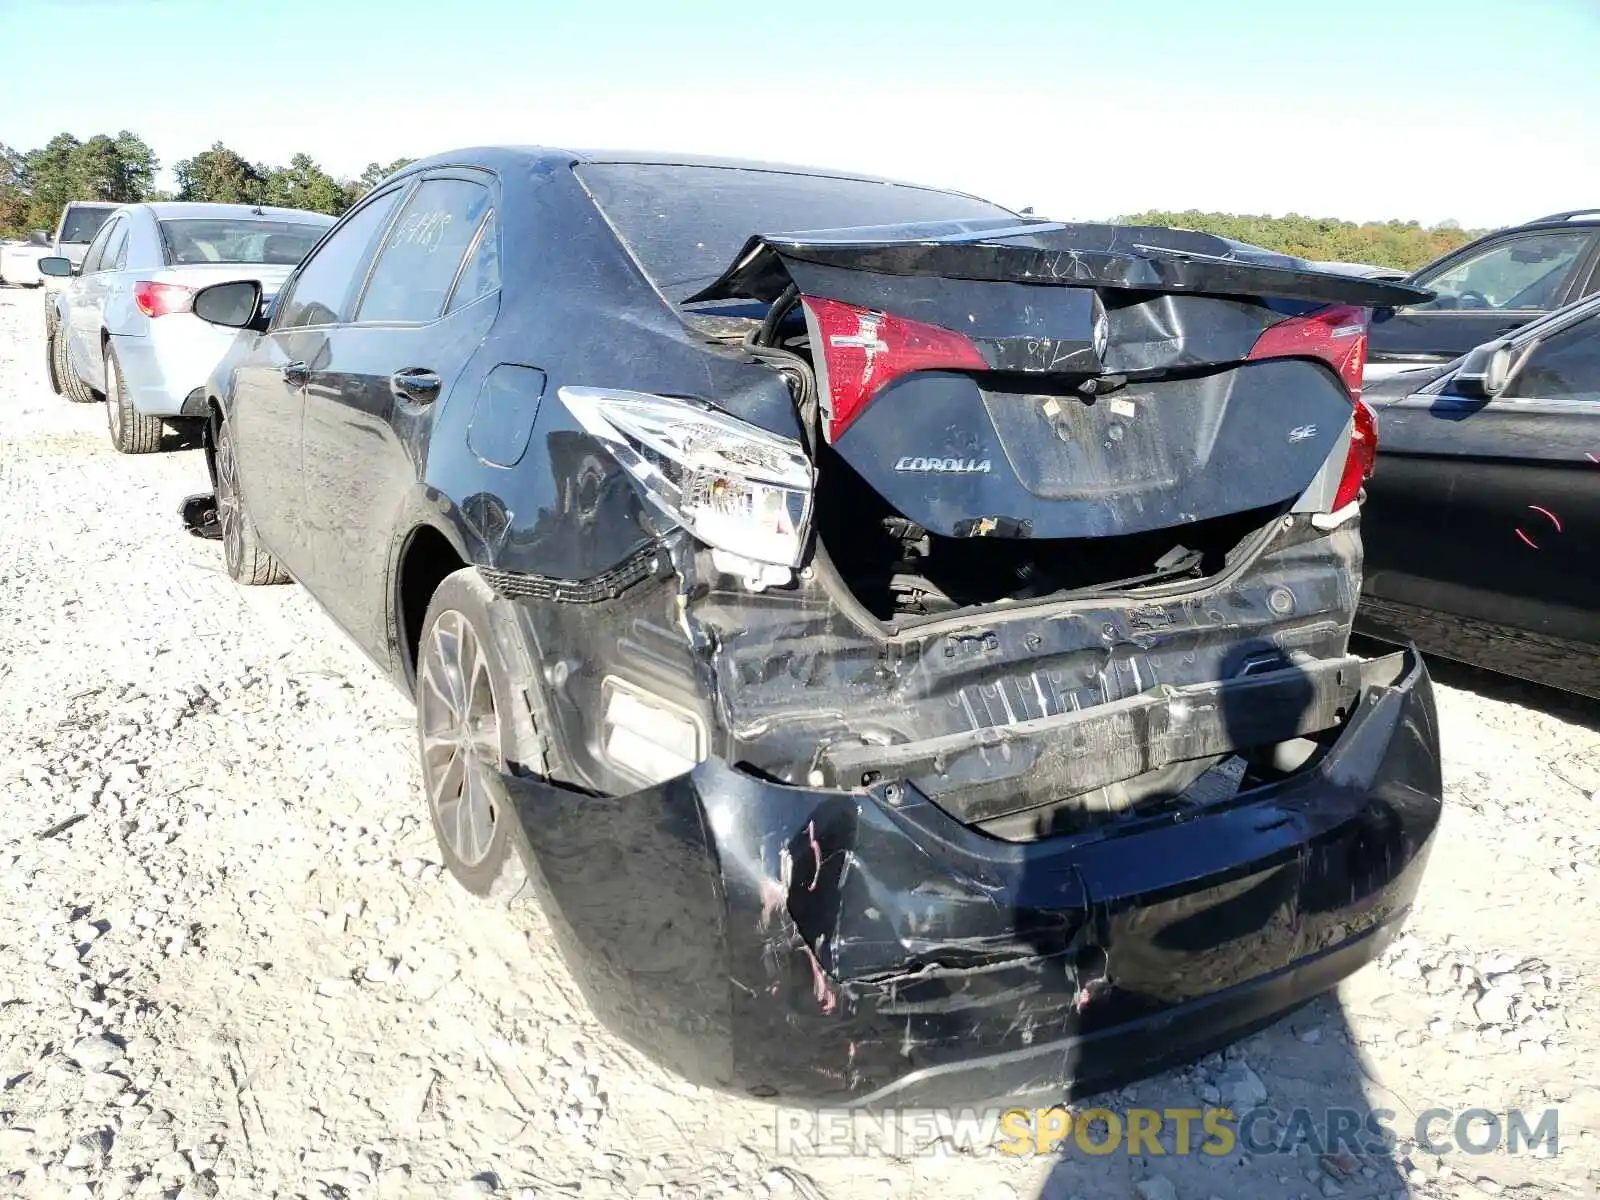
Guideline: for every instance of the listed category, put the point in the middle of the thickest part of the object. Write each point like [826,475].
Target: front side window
[116,253]
[325,290]
[96,251]
[419,262]
[189,240]
[1565,366]
[1527,272]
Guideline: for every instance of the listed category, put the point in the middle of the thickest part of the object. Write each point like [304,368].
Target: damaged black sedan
[905,645]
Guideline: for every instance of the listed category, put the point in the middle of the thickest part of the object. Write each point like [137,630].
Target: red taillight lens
[159,299]
[862,350]
[1338,337]
[1363,456]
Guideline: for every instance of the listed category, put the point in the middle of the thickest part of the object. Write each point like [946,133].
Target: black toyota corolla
[905,645]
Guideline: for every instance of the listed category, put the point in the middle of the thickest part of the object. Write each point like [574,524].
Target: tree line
[1402,244]
[35,185]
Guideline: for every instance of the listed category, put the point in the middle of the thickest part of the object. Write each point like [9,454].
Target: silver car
[120,325]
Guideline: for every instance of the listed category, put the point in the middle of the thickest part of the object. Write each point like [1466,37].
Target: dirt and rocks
[230,964]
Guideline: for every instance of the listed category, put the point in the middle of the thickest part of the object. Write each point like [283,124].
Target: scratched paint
[1545,512]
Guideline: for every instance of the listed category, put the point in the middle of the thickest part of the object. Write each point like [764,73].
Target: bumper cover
[865,947]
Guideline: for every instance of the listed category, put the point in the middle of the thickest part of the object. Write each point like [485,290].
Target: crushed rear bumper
[865,947]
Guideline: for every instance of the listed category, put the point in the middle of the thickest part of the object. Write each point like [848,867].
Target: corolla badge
[943,466]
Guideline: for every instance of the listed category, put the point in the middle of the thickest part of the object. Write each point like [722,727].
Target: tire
[461,759]
[132,432]
[72,387]
[249,562]
[51,369]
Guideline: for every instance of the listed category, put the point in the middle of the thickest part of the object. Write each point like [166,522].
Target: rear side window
[81,224]
[684,224]
[186,241]
[1565,366]
[418,264]
[326,287]
[481,274]
[1529,271]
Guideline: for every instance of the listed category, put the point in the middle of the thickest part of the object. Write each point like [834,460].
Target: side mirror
[39,237]
[61,268]
[234,305]
[1485,372]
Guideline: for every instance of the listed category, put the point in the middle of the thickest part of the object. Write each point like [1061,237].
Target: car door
[268,391]
[429,302]
[82,318]
[101,293]
[1490,510]
[1484,293]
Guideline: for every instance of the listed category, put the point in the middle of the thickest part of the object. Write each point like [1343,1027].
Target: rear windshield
[189,241]
[82,224]
[684,224]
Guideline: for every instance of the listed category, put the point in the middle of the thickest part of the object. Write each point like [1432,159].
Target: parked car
[79,222]
[1489,287]
[903,673]
[122,324]
[19,259]
[1483,526]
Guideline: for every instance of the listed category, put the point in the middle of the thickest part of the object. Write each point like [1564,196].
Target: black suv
[1491,286]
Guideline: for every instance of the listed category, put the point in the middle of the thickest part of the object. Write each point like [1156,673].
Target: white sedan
[19,261]
[120,326]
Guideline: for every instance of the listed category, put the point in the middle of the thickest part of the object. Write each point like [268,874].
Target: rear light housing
[1337,336]
[735,487]
[862,350]
[162,299]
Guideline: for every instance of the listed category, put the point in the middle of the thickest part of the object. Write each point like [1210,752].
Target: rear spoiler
[1144,258]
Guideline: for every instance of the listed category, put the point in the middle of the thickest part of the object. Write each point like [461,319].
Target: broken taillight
[160,299]
[1336,335]
[862,350]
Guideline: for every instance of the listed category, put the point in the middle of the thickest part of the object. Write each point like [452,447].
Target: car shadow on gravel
[1508,689]
[184,436]
[1297,1120]
[1305,1078]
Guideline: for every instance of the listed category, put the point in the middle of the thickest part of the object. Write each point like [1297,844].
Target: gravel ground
[230,964]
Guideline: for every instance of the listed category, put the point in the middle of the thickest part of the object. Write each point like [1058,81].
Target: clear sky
[1484,111]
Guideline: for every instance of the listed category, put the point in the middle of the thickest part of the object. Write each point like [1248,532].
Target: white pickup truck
[80,221]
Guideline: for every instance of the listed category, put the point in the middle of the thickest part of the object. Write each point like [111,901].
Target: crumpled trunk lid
[1041,380]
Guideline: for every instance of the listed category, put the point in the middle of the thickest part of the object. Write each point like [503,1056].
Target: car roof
[503,157]
[1576,218]
[94,204]
[167,210]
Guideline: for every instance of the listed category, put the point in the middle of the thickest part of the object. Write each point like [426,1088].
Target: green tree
[1405,245]
[50,180]
[13,192]
[376,174]
[139,165]
[221,176]
[303,184]
[96,171]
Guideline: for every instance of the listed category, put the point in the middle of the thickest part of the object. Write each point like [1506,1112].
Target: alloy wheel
[228,503]
[113,403]
[460,732]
